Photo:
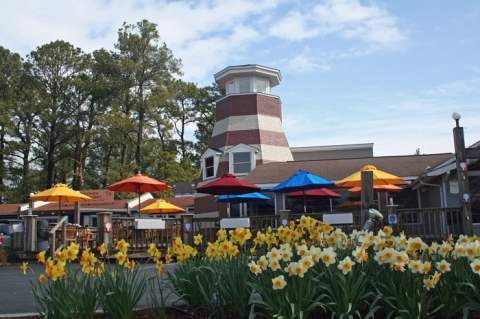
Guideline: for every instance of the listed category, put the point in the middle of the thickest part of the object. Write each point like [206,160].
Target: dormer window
[209,167]
[209,163]
[242,162]
[241,159]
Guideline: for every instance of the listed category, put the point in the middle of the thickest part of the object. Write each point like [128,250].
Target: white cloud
[304,62]
[203,33]
[347,18]
[396,123]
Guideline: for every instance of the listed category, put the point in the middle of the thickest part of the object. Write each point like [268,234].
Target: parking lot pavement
[16,293]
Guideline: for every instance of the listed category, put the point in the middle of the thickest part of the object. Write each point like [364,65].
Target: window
[260,85]
[209,167]
[244,85]
[242,162]
[230,87]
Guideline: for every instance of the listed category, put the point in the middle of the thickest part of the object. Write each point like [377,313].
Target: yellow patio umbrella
[161,206]
[379,178]
[60,193]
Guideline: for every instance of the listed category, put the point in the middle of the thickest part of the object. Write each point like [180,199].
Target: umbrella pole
[331,205]
[304,203]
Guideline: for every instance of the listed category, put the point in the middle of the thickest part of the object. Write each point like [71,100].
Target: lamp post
[462,175]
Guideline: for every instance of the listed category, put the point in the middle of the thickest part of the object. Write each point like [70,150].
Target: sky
[387,72]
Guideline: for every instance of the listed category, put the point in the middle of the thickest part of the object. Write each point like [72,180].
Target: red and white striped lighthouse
[248,129]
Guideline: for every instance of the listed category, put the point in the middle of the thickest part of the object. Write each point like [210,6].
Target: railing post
[104,229]
[187,228]
[76,214]
[392,217]
[30,233]
[462,177]
[284,217]
[366,195]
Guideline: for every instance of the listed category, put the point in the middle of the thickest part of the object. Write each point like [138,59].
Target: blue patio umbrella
[301,181]
[242,198]
[249,197]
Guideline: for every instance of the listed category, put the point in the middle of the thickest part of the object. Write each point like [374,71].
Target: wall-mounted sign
[149,223]
[453,187]
[187,227]
[235,223]
[392,219]
[335,219]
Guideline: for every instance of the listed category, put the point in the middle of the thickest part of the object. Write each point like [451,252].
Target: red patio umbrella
[317,192]
[228,184]
[139,184]
[322,192]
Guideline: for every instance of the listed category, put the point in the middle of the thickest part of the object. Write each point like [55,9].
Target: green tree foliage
[90,119]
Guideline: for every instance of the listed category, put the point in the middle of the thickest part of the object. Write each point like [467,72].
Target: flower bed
[307,269]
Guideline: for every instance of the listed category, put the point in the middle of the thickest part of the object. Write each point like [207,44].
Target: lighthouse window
[244,85]
[209,167]
[242,162]
[260,85]
[230,87]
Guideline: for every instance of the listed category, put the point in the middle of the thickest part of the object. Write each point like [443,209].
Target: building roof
[340,147]
[335,169]
[272,74]
[12,209]
[9,209]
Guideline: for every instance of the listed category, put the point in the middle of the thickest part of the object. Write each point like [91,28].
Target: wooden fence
[429,224]
[139,239]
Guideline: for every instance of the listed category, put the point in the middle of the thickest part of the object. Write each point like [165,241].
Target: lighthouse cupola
[248,122]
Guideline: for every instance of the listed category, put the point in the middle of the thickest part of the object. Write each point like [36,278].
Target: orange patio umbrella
[60,193]
[379,178]
[161,206]
[139,184]
[384,188]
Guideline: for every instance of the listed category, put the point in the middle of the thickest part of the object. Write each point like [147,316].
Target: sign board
[235,223]
[149,223]
[392,219]
[17,228]
[335,219]
[453,187]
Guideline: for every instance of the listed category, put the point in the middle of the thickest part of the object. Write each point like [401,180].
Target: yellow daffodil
[120,257]
[475,265]
[346,265]
[122,246]
[102,249]
[42,279]
[159,265]
[443,266]
[445,249]
[415,266]
[279,282]
[328,256]
[254,268]
[262,262]
[274,265]
[130,264]
[41,257]
[24,267]
[153,250]
[197,239]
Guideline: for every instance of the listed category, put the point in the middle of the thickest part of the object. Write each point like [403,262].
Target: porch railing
[430,223]
[139,239]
